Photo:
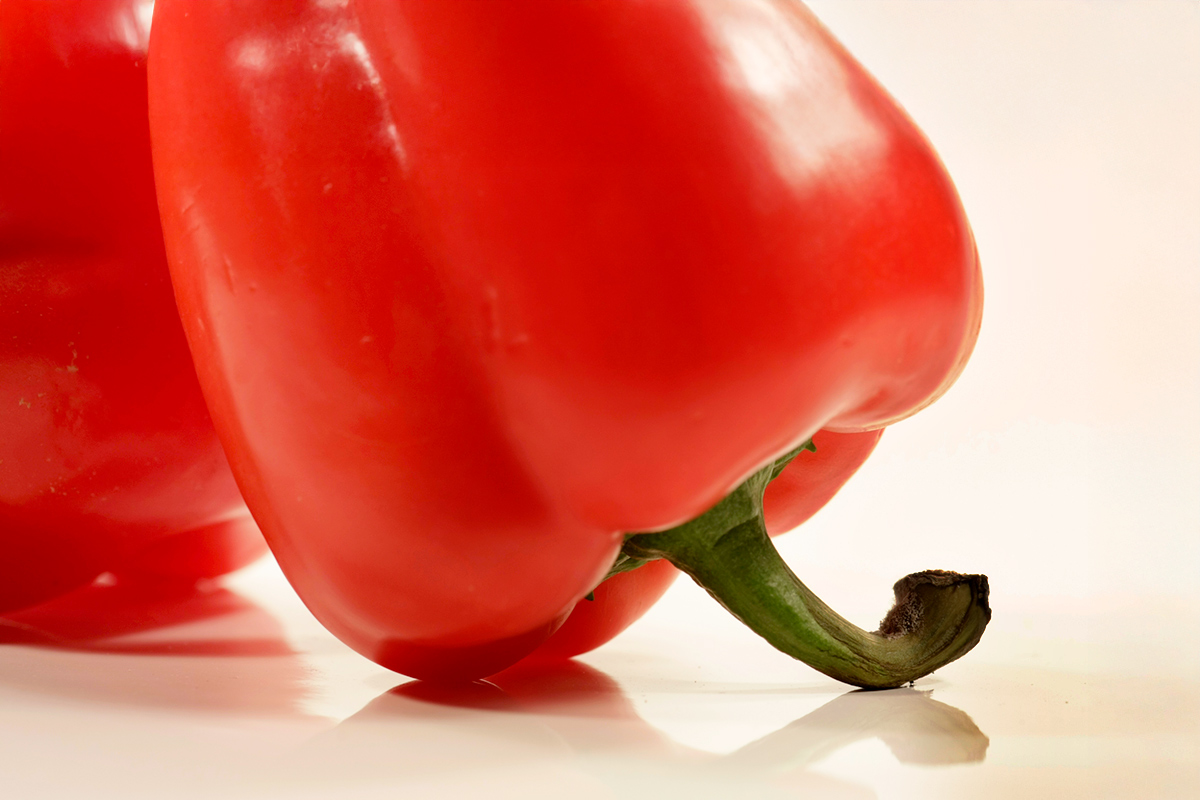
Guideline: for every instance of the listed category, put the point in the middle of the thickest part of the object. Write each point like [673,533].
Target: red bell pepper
[491,300]
[108,458]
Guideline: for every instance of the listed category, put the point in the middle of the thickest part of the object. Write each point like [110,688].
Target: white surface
[257,701]
[1065,464]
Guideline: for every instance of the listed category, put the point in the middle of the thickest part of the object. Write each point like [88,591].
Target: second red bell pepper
[108,458]
[491,300]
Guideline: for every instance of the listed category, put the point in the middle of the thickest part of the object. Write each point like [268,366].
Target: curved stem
[937,618]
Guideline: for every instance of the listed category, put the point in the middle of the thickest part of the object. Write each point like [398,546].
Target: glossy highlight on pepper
[481,294]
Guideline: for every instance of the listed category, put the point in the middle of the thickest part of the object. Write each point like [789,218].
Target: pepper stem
[938,615]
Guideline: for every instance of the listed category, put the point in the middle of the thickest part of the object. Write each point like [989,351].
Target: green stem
[938,615]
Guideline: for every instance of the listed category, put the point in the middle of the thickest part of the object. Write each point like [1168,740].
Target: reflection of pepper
[588,711]
[108,459]
[474,289]
[801,490]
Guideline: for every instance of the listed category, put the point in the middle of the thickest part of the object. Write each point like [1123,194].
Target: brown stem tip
[916,592]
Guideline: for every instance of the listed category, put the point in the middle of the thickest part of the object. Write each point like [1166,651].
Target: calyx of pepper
[938,615]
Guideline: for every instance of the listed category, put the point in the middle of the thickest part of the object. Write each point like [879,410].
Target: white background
[1065,464]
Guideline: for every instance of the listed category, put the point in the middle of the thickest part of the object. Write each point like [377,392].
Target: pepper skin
[475,290]
[801,490]
[108,458]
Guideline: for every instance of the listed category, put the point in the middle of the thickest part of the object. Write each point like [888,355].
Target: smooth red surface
[813,478]
[615,605]
[473,288]
[108,458]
